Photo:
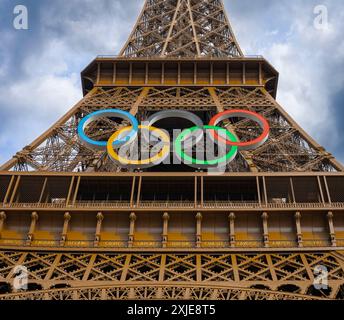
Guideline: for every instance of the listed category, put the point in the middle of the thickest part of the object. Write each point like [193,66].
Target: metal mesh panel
[306,190]
[105,189]
[231,189]
[173,189]
[278,190]
[4,183]
[336,187]
[30,189]
[57,188]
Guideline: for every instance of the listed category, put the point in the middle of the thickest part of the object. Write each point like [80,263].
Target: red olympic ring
[245,114]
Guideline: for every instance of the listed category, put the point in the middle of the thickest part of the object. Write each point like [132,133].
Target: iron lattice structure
[87,229]
[182,28]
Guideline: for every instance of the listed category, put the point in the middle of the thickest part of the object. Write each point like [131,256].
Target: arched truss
[148,291]
[224,276]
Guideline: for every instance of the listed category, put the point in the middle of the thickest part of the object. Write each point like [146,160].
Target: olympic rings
[205,163]
[245,114]
[100,145]
[142,164]
[126,137]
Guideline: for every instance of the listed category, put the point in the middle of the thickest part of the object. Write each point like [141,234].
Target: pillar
[2,221]
[298,229]
[132,218]
[199,230]
[67,218]
[166,218]
[331,228]
[265,218]
[34,219]
[232,229]
[100,218]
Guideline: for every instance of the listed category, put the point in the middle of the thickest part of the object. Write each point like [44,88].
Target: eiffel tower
[80,226]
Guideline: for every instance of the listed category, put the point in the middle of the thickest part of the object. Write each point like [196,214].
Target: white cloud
[297,89]
[34,105]
[66,39]
[309,60]
[100,28]
[53,60]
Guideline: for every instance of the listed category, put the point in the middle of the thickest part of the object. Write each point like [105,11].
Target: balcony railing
[231,204]
[172,205]
[166,204]
[112,57]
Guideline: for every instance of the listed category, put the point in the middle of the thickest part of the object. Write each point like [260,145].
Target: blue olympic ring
[108,113]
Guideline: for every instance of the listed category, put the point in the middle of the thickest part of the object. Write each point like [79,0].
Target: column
[265,218]
[298,229]
[232,229]
[100,218]
[67,218]
[34,219]
[166,218]
[199,230]
[132,218]
[331,228]
[2,221]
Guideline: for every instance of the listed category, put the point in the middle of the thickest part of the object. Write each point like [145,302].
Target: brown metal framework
[87,229]
[182,28]
[174,276]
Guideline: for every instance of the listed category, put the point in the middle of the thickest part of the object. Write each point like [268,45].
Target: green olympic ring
[215,162]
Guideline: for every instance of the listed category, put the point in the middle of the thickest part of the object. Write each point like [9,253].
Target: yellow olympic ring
[151,161]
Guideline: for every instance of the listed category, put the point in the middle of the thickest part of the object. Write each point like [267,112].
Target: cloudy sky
[40,67]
